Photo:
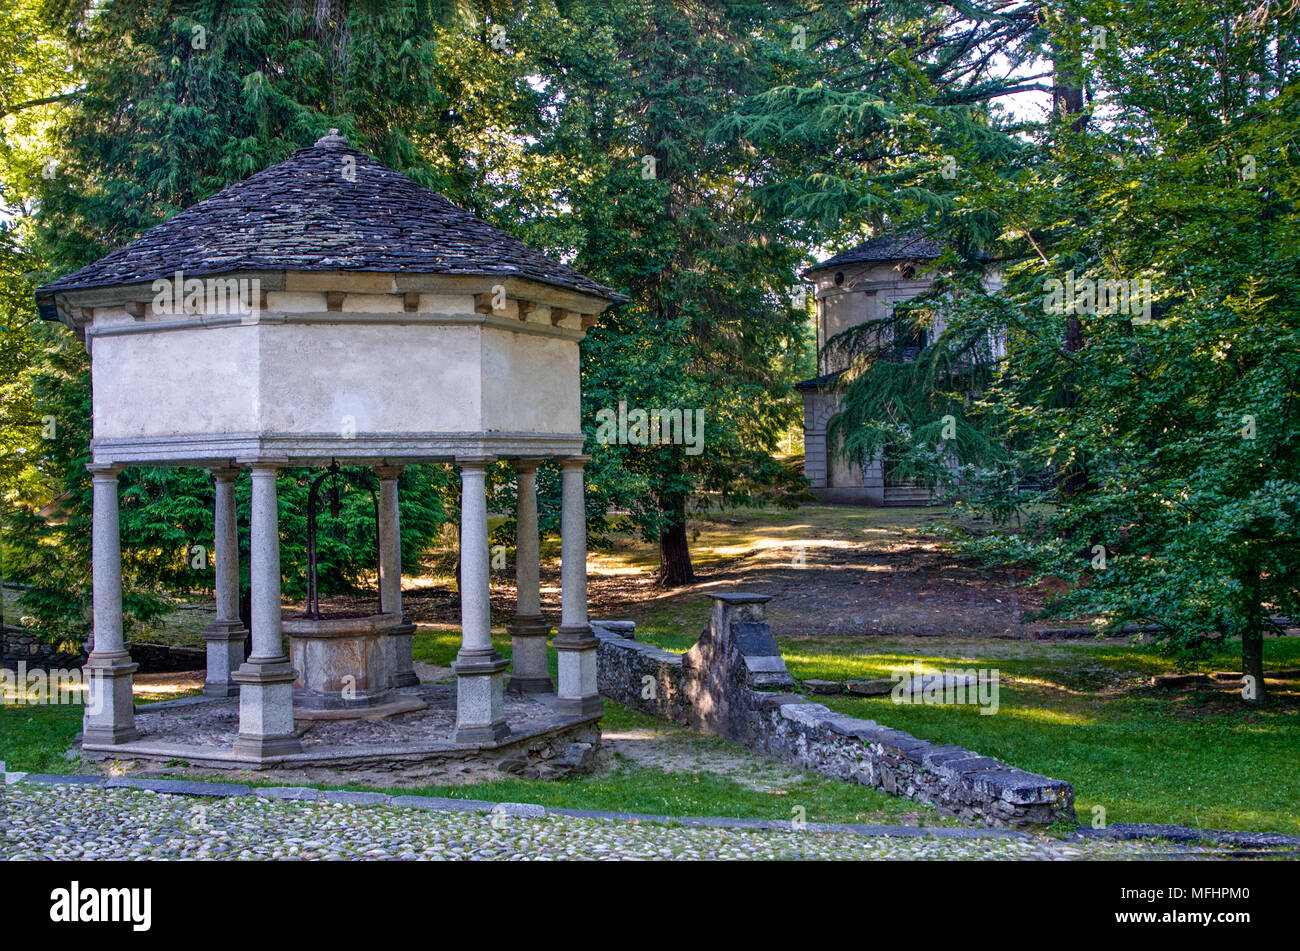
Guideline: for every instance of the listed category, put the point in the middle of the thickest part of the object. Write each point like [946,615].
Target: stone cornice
[375,449]
[194,321]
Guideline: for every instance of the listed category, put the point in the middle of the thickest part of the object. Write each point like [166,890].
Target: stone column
[225,636]
[479,669]
[110,711]
[401,669]
[266,677]
[527,628]
[574,641]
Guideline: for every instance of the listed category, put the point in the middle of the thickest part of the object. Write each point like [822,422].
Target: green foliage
[168,103]
[1175,442]
[917,409]
[659,205]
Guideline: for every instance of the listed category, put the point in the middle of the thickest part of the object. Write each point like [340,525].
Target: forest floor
[831,571]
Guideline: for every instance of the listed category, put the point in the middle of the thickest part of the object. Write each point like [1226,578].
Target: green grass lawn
[1083,712]
[630,787]
[1074,711]
[33,739]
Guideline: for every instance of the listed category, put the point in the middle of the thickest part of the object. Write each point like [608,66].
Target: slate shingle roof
[885,247]
[304,214]
[817,382]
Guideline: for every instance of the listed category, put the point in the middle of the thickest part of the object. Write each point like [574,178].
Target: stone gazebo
[328,308]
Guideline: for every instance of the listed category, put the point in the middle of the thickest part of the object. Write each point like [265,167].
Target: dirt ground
[831,571]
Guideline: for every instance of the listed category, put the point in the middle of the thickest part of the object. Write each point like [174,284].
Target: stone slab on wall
[710,690]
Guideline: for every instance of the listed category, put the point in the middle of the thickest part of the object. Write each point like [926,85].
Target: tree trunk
[1252,665]
[1067,100]
[1067,86]
[674,551]
[1252,636]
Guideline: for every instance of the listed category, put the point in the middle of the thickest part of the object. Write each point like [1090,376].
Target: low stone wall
[954,780]
[162,658]
[718,687]
[639,676]
[18,646]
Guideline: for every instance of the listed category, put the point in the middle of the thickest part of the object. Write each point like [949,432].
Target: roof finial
[333,140]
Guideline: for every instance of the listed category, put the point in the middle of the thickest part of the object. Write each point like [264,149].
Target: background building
[856,286]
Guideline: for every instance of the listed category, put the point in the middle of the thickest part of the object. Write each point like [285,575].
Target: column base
[575,637]
[480,697]
[528,646]
[110,707]
[579,695]
[108,735]
[580,706]
[266,708]
[478,735]
[225,639]
[401,672]
[263,747]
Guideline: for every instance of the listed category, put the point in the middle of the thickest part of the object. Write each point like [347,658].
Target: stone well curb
[178,787]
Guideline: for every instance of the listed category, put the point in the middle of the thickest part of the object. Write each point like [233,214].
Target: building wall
[865,292]
[832,479]
[300,369]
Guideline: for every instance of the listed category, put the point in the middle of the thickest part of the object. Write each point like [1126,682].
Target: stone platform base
[200,732]
[381,712]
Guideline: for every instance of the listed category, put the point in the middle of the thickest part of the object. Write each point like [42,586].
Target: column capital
[225,473]
[574,462]
[263,462]
[474,462]
[388,473]
[525,465]
[105,470]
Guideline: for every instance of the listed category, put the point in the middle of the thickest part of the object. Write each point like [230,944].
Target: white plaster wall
[447,303]
[379,378]
[296,301]
[328,379]
[373,303]
[200,380]
[531,383]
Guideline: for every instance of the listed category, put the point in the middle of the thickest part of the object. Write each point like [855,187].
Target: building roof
[885,247]
[820,382]
[317,211]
